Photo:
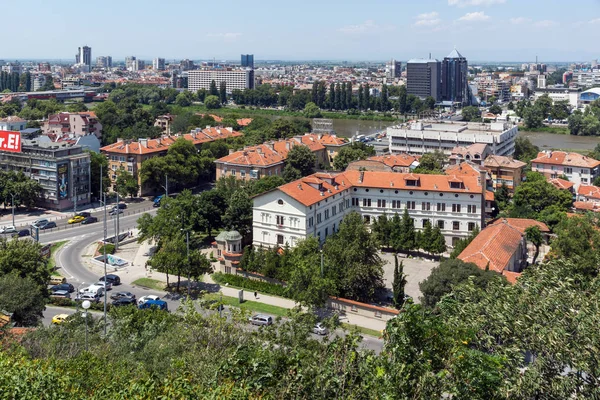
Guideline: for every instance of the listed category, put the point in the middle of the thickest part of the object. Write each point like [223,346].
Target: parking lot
[416,269]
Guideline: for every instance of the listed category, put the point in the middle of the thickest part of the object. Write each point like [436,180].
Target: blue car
[160,304]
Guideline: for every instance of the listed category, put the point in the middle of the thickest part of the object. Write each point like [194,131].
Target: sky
[353,30]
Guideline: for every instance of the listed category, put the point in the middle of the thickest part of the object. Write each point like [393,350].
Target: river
[550,141]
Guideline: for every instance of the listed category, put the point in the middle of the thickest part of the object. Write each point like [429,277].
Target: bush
[110,249]
[249,284]
[63,302]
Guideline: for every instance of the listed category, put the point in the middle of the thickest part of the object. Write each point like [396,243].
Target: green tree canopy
[302,159]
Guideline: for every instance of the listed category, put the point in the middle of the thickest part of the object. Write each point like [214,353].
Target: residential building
[315,205]
[12,123]
[588,193]
[497,88]
[186,65]
[42,67]
[37,81]
[84,56]
[129,154]
[70,82]
[393,70]
[228,245]
[562,184]
[586,78]
[423,78]
[158,64]
[61,169]
[504,171]
[571,95]
[138,65]
[247,61]
[455,87]
[79,124]
[104,62]
[129,63]
[579,169]
[423,137]
[475,153]
[404,163]
[164,123]
[269,158]
[234,79]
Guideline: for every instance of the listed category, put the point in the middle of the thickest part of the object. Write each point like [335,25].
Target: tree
[432,163]
[534,235]
[463,243]
[360,97]
[438,242]
[399,283]
[170,258]
[426,237]
[302,159]
[406,241]
[471,113]
[496,109]
[536,194]
[311,110]
[533,117]
[577,239]
[97,160]
[201,94]
[24,258]
[356,151]
[126,184]
[213,89]
[25,190]
[449,274]
[212,102]
[290,173]
[525,150]
[239,213]
[223,92]
[22,297]
[382,229]
[184,99]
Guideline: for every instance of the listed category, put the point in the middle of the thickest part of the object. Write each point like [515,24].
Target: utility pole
[321,263]
[103,200]
[187,242]
[117,225]
[166,185]
[13,209]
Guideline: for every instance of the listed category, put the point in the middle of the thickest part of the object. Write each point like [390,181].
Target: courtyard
[416,270]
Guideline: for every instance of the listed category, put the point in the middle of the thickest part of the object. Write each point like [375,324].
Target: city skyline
[483,30]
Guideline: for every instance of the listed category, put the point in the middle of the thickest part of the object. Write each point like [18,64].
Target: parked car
[61,293]
[144,299]
[123,301]
[47,225]
[39,222]
[21,233]
[112,278]
[122,295]
[8,229]
[115,211]
[83,214]
[95,289]
[261,320]
[63,286]
[76,219]
[57,280]
[121,206]
[88,296]
[89,220]
[59,318]
[320,329]
[106,285]
[160,304]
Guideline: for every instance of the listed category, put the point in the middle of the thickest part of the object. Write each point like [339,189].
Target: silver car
[320,329]
[261,320]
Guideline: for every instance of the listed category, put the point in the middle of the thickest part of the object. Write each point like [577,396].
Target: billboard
[10,141]
[62,172]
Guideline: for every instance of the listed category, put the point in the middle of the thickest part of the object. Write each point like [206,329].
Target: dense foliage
[26,191]
[354,152]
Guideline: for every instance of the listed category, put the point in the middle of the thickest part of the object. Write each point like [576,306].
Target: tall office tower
[109,61]
[186,65]
[423,78]
[138,65]
[248,60]
[84,56]
[158,64]
[393,69]
[455,86]
[129,62]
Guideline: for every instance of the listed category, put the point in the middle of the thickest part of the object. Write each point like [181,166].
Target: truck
[160,304]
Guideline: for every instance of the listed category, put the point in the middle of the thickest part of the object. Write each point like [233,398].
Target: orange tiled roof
[475,148]
[511,277]
[561,183]
[244,121]
[565,158]
[503,161]
[310,190]
[149,146]
[494,246]
[589,191]
[464,168]
[585,206]
[395,160]
[332,140]
[489,195]
[522,223]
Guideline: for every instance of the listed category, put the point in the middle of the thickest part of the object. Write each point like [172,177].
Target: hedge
[250,284]
[64,302]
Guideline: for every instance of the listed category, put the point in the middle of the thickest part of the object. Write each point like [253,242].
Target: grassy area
[546,129]
[150,283]
[253,306]
[53,249]
[364,331]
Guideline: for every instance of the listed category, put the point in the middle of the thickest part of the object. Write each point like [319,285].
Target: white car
[320,329]
[144,299]
[106,286]
[8,229]
[93,289]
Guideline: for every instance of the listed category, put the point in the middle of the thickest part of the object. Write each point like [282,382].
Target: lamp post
[86,305]
[103,200]
[187,245]
[13,208]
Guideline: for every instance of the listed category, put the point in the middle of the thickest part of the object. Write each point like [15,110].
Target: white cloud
[474,17]
[367,26]
[428,19]
[519,20]
[224,35]
[546,23]
[595,21]
[466,3]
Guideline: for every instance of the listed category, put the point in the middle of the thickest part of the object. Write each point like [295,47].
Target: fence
[349,307]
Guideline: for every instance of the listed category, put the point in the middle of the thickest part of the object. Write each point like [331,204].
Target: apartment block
[234,79]
[78,124]
[579,169]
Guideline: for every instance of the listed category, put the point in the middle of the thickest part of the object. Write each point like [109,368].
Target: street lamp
[187,244]
[13,208]
[86,305]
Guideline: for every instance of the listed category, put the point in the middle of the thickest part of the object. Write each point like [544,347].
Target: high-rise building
[84,56]
[129,62]
[158,64]
[234,79]
[455,86]
[104,62]
[248,61]
[423,78]
[138,65]
[393,70]
[186,65]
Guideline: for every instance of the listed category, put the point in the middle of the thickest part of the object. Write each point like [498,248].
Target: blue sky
[482,30]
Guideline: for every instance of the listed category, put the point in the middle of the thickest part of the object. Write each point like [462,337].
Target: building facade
[12,123]
[579,169]
[129,62]
[455,86]
[423,137]
[104,62]
[423,78]
[158,64]
[393,70]
[560,94]
[505,171]
[247,61]
[84,56]
[78,124]
[234,79]
[228,245]
[315,205]
[62,170]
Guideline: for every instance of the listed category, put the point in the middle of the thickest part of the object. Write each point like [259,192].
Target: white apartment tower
[233,78]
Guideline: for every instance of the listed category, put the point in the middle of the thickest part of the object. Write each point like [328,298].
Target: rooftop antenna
[536,60]
[430,55]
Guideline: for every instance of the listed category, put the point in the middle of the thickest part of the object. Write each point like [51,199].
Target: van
[93,289]
[57,280]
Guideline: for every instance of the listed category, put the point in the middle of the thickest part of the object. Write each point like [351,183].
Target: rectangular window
[569,170]
[341,207]
[326,215]
[471,226]
[333,211]
[311,222]
[383,203]
[318,218]
[441,206]
[424,222]
[233,172]
[396,203]
[280,219]
[426,206]
[455,226]
[326,232]
[456,208]
[243,173]
[440,223]
[280,239]
[472,209]
[410,205]
[366,202]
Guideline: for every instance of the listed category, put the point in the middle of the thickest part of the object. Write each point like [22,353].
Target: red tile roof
[588,191]
[565,158]
[494,246]
[586,206]
[395,160]
[511,277]
[464,168]
[502,161]
[562,184]
[522,223]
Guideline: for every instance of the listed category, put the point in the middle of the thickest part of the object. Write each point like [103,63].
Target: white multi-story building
[315,205]
[586,78]
[560,94]
[234,79]
[158,64]
[426,137]
[579,169]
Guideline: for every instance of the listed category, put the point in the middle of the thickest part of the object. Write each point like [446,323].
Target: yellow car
[59,318]
[76,219]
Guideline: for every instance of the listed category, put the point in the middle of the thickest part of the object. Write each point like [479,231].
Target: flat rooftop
[476,128]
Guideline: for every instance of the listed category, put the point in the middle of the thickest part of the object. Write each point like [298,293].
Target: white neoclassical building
[315,205]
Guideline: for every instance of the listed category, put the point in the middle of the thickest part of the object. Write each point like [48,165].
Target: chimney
[361,177]
[144,142]
[231,151]
[287,145]
[300,186]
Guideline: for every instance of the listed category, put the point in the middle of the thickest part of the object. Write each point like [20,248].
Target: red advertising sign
[10,141]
